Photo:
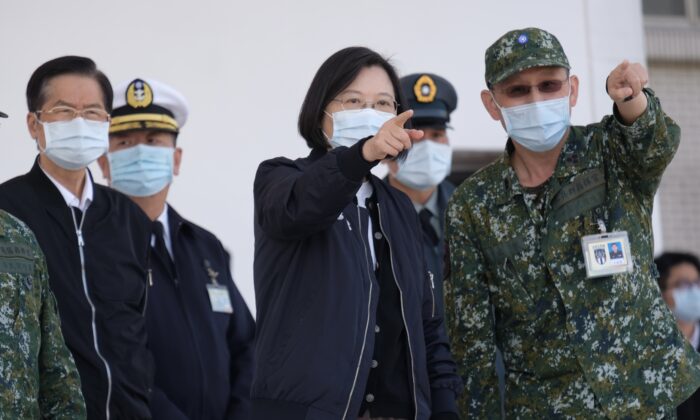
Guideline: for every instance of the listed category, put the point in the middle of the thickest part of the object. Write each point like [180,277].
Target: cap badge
[425,89]
[139,94]
[522,39]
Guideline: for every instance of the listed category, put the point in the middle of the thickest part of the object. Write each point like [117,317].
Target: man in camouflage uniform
[573,346]
[38,378]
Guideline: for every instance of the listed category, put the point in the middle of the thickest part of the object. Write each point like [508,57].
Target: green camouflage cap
[522,49]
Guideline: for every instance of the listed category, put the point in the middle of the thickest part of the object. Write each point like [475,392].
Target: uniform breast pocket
[16,285]
[585,193]
[10,302]
[508,277]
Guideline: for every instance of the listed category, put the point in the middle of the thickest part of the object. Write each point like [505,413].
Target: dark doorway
[466,162]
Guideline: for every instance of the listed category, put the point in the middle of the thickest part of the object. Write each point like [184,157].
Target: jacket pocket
[507,281]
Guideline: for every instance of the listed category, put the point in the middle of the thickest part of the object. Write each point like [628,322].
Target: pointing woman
[347,326]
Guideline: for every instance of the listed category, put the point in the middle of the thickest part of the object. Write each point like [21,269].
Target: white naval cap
[147,104]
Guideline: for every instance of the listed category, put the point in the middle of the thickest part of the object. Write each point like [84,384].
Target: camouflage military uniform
[38,378]
[573,347]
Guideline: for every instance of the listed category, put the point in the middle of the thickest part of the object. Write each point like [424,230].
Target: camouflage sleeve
[644,149]
[59,394]
[468,316]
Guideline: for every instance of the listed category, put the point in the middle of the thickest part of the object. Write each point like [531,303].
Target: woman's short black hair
[334,75]
[69,64]
[666,261]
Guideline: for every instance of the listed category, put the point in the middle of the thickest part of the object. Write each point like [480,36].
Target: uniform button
[376,328]
[369,398]
[378,235]
[374,364]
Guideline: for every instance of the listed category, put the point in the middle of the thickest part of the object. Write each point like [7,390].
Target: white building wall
[245,67]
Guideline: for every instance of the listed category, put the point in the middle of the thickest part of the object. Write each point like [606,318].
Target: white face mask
[427,165]
[351,126]
[538,126]
[687,303]
[76,143]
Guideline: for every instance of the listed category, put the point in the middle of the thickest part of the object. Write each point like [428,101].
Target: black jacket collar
[52,200]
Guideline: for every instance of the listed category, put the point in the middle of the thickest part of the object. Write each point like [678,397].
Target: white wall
[245,67]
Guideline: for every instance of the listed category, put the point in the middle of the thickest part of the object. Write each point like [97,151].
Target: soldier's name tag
[606,254]
[219,298]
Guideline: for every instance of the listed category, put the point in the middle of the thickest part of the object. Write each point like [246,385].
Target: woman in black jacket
[346,317]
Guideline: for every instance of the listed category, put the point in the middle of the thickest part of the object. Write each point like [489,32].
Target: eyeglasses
[352,102]
[67,113]
[547,86]
[686,283]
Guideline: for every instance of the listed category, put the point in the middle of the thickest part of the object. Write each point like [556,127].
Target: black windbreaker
[114,364]
[317,296]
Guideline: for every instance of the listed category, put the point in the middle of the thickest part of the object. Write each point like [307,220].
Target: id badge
[606,254]
[219,298]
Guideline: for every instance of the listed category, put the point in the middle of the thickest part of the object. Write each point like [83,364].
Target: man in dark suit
[422,176]
[199,328]
[95,239]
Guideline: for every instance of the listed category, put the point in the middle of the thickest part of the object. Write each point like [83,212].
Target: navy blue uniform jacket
[203,359]
[435,254]
[317,294]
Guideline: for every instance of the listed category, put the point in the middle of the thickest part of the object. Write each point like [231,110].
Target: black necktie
[428,229]
[160,249]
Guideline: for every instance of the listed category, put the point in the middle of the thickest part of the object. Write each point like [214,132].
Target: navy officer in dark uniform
[200,330]
[95,240]
[422,176]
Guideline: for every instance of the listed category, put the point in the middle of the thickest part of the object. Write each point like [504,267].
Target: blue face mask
[351,126]
[76,143]
[426,166]
[538,126]
[141,171]
[687,303]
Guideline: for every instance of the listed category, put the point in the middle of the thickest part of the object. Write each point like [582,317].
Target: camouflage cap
[522,49]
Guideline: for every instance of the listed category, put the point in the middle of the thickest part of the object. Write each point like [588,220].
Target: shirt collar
[568,164]
[71,199]
[366,190]
[511,184]
[431,204]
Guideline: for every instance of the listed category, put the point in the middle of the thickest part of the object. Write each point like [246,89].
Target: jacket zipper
[369,308]
[432,290]
[149,278]
[403,315]
[81,245]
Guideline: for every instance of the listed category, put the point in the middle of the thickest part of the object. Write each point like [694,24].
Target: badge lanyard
[218,293]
